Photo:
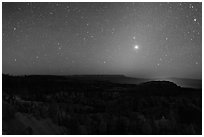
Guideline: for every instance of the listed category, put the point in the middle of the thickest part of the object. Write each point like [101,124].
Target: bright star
[136,47]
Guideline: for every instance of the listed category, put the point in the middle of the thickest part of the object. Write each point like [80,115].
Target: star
[136,47]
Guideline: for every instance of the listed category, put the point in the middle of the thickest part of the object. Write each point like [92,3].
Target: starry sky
[143,40]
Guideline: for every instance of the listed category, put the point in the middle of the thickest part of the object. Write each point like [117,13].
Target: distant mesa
[99,76]
[116,78]
[159,84]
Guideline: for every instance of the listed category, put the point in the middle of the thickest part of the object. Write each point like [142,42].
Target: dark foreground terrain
[84,105]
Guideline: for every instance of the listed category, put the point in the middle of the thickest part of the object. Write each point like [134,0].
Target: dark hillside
[84,105]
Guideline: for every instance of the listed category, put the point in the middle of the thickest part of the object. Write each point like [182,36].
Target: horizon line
[102,75]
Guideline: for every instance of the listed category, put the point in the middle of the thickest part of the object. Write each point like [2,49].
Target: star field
[134,39]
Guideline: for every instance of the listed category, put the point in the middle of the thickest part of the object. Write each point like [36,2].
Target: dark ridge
[106,75]
[160,84]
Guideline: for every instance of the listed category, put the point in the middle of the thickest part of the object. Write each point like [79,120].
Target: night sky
[135,39]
